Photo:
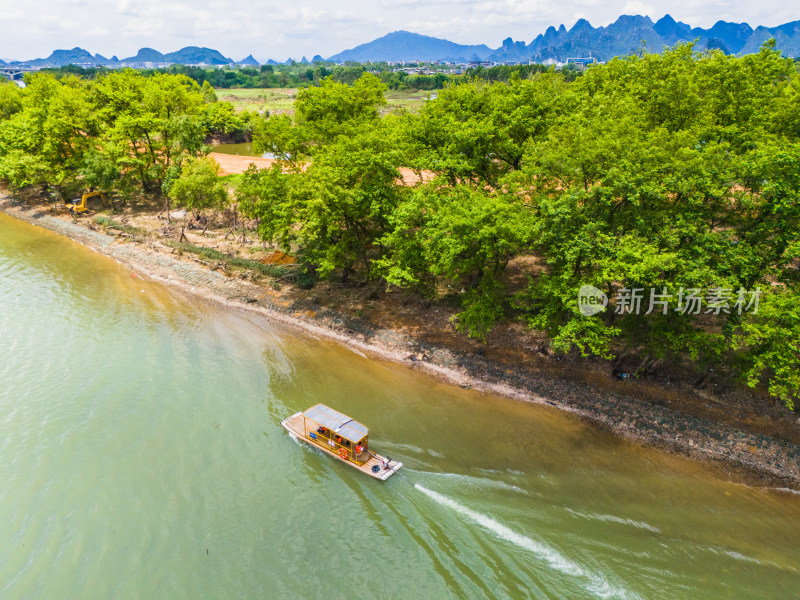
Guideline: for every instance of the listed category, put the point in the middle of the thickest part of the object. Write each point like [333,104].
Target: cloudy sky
[267,29]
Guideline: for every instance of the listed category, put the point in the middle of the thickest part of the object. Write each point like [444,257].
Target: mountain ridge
[79,56]
[400,45]
[629,34]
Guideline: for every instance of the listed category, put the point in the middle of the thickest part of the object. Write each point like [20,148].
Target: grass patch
[225,93]
[405,100]
[281,100]
[112,224]
[234,261]
[272,99]
[231,180]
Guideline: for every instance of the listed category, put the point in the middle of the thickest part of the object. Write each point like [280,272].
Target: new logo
[591,300]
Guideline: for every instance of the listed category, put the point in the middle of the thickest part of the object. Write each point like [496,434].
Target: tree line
[120,131]
[667,182]
[298,75]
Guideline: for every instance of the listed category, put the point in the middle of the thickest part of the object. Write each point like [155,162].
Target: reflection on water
[143,458]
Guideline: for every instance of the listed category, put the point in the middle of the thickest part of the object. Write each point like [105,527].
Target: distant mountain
[76,56]
[192,55]
[733,35]
[402,45]
[787,38]
[672,31]
[249,61]
[629,34]
[625,36]
[145,55]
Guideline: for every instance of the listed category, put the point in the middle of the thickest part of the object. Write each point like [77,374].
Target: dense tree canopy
[669,183]
[120,131]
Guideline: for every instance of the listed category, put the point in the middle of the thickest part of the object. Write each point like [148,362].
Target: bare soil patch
[232,164]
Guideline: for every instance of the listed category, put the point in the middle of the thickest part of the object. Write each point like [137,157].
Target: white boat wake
[597,584]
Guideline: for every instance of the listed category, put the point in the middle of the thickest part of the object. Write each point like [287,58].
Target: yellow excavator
[78,205]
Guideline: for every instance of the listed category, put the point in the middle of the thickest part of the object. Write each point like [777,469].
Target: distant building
[584,62]
[145,65]
[485,64]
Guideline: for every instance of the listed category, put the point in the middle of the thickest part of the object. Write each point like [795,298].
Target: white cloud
[636,7]
[98,32]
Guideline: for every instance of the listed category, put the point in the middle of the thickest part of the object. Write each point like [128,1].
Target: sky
[280,30]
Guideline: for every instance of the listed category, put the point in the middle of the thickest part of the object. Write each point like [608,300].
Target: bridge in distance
[15,73]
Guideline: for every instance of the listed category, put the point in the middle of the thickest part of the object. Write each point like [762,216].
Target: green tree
[10,99]
[45,142]
[457,238]
[150,125]
[334,212]
[768,345]
[335,109]
[199,187]
[209,95]
[266,195]
[478,132]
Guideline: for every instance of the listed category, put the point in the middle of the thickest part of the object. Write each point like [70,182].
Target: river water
[241,149]
[142,457]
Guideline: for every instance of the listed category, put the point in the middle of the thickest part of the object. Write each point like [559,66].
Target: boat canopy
[337,422]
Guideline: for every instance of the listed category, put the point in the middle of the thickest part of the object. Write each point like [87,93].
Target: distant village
[458,68]
[15,71]
[412,67]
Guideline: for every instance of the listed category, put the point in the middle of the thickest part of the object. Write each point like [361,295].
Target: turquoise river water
[142,457]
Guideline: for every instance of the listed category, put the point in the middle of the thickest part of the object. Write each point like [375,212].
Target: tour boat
[341,437]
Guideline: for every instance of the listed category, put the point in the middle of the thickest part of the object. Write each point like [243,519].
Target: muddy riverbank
[745,456]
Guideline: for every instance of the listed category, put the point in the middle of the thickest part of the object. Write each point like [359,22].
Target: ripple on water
[614,519]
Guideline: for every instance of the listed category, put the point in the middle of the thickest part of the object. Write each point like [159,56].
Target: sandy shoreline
[738,455]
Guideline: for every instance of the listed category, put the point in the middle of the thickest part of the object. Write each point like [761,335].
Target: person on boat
[360,449]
